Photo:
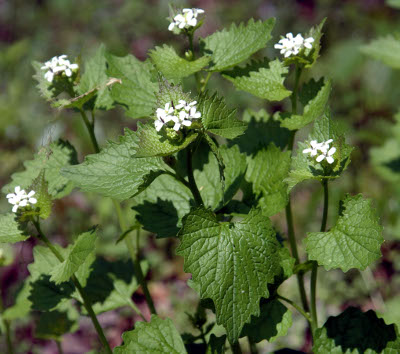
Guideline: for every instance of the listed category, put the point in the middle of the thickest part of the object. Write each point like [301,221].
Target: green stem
[314,270]
[191,47]
[252,346]
[134,253]
[86,301]
[297,307]
[203,87]
[90,128]
[59,347]
[236,349]
[293,97]
[6,325]
[192,182]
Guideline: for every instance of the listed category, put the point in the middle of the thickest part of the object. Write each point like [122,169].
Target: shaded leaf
[10,229]
[216,345]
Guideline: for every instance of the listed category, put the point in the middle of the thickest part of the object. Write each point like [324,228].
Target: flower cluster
[58,65]
[20,198]
[293,45]
[323,150]
[186,19]
[181,114]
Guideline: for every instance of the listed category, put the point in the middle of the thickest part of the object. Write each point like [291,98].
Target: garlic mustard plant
[186,19]
[57,66]
[323,150]
[290,45]
[20,198]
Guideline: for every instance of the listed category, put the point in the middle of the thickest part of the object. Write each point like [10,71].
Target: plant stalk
[134,253]
[236,349]
[6,325]
[86,301]
[192,183]
[297,307]
[90,128]
[314,270]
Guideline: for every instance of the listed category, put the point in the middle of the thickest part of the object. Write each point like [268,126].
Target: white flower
[20,198]
[293,45]
[181,115]
[186,19]
[58,65]
[324,148]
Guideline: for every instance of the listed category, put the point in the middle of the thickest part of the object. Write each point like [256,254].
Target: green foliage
[231,46]
[22,305]
[50,159]
[354,331]
[137,93]
[274,322]
[79,252]
[174,67]
[152,143]
[114,172]
[262,79]
[266,172]
[237,261]
[354,242]
[218,119]
[156,336]
[305,167]
[385,49]
[11,230]
[216,345]
[44,202]
[314,97]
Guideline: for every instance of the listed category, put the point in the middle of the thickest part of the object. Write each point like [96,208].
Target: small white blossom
[323,150]
[58,65]
[293,45]
[186,19]
[20,199]
[181,115]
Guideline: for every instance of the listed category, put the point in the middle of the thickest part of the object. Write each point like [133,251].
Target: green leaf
[231,263]
[262,129]
[218,119]
[10,229]
[354,331]
[51,158]
[305,167]
[94,76]
[385,49]
[266,171]
[262,79]
[44,202]
[137,93]
[393,3]
[54,324]
[22,305]
[82,249]
[173,66]
[156,336]
[216,345]
[152,143]
[114,172]
[312,54]
[314,97]
[231,46]
[354,242]
[274,322]
[167,201]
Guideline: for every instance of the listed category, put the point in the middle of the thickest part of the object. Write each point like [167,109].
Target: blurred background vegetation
[365,98]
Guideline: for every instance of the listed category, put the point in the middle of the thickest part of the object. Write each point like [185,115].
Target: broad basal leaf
[218,119]
[81,250]
[262,79]
[167,201]
[114,172]
[231,46]
[305,167]
[354,331]
[262,129]
[152,143]
[173,66]
[51,158]
[231,263]
[314,97]
[137,93]
[10,229]
[266,171]
[274,322]
[156,336]
[385,49]
[354,242]
[95,76]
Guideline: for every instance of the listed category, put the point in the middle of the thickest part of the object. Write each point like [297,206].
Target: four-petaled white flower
[181,114]
[186,19]
[57,65]
[293,45]
[323,150]
[20,198]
